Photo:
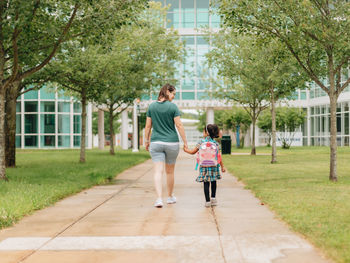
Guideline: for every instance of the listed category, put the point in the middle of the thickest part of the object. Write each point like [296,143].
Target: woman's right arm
[181,130]
[148,132]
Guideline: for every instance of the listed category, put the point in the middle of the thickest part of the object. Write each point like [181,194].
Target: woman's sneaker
[207,204]
[213,201]
[171,200]
[159,203]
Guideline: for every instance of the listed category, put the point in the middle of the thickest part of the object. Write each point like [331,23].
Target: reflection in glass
[31,106]
[47,141]
[63,106]
[77,124]
[47,123]
[30,141]
[63,123]
[30,123]
[47,106]
[63,141]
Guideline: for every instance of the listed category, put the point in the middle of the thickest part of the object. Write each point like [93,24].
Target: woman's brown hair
[163,91]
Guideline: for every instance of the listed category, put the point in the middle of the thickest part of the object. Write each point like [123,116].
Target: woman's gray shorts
[164,153]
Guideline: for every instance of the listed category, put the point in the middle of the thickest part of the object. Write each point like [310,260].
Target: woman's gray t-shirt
[162,115]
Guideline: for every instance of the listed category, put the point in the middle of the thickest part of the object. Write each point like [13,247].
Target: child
[209,174]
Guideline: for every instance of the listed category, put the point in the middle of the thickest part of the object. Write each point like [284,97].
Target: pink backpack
[208,154]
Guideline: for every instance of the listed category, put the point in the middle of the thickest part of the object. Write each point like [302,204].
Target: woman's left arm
[148,132]
[181,130]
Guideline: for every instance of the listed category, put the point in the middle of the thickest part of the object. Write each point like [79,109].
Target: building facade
[50,119]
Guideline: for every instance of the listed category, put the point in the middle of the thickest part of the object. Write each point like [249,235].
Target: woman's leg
[206,191]
[213,189]
[158,173]
[169,169]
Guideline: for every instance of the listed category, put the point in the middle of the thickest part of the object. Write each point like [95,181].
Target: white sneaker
[171,200]
[159,203]
[207,204]
[213,201]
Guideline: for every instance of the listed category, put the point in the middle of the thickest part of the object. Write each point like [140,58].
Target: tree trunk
[111,131]
[333,140]
[253,152]
[273,128]
[2,135]
[101,129]
[10,126]
[83,127]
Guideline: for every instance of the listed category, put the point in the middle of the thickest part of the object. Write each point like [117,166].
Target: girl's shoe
[171,200]
[159,203]
[207,204]
[213,201]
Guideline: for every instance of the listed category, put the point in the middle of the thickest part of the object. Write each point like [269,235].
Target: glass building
[49,119]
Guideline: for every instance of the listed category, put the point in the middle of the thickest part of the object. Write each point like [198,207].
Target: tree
[32,32]
[288,120]
[116,125]
[238,120]
[79,71]
[143,56]
[257,74]
[316,33]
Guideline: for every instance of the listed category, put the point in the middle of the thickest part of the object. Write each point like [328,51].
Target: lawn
[45,176]
[298,190]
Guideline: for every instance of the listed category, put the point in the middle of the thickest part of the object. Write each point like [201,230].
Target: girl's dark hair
[163,91]
[212,130]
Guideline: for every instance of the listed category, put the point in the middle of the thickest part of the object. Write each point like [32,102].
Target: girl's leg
[213,189]
[158,172]
[206,191]
[169,169]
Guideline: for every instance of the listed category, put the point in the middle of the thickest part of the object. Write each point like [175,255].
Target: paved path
[117,223]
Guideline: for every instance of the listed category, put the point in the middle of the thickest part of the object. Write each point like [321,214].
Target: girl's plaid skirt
[209,174]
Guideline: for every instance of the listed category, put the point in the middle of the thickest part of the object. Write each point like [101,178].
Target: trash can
[226,144]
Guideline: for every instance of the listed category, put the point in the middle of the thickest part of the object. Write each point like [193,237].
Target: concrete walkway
[118,223]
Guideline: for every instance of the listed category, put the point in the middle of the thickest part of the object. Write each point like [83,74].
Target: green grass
[298,190]
[45,176]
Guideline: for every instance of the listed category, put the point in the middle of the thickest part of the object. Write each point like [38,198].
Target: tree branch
[59,41]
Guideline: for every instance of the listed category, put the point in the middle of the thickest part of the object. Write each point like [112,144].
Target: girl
[209,175]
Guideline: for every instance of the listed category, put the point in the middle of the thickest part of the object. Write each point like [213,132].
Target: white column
[124,130]
[101,129]
[309,126]
[89,126]
[210,116]
[134,130]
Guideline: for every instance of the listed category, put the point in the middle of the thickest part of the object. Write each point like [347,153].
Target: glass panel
[177,96]
[188,20]
[18,106]
[346,141]
[47,94]
[202,4]
[215,21]
[63,141]
[63,106]
[173,20]
[338,124]
[346,106]
[312,132]
[76,141]
[77,107]
[47,141]
[77,124]
[31,106]
[31,123]
[338,107]
[47,123]
[203,84]
[187,5]
[303,95]
[18,142]
[63,123]
[188,95]
[18,123]
[61,95]
[31,95]
[174,5]
[203,96]
[346,123]
[202,19]
[47,106]
[31,141]
[187,84]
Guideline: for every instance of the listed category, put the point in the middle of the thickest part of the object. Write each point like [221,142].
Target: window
[47,94]
[77,124]
[63,106]
[31,106]
[63,123]
[47,141]
[63,141]
[47,106]
[30,123]
[47,123]
[31,95]
[31,141]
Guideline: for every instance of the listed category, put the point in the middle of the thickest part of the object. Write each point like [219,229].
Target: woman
[163,116]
